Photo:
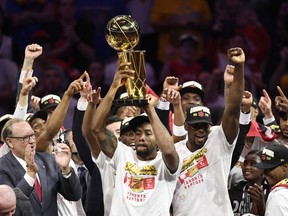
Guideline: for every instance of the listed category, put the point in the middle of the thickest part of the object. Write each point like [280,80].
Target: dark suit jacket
[94,197]
[51,180]
[23,204]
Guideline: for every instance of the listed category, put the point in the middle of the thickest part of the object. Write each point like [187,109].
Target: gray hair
[7,130]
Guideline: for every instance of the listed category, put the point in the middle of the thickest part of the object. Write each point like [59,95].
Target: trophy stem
[136,88]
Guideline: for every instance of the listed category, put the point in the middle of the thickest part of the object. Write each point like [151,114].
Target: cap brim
[137,121]
[200,121]
[124,130]
[4,119]
[40,114]
[192,90]
[50,106]
[263,165]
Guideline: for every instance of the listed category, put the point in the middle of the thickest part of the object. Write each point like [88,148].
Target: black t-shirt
[240,199]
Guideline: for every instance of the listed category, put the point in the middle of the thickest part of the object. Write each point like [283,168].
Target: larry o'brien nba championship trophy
[122,34]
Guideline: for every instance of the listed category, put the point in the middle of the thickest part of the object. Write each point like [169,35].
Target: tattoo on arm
[109,143]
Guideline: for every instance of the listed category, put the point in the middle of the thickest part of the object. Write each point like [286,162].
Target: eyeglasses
[25,138]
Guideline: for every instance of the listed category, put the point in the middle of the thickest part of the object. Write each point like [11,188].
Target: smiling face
[128,139]
[145,142]
[250,172]
[38,126]
[197,135]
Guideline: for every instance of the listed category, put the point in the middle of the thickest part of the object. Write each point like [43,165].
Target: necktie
[38,189]
[82,177]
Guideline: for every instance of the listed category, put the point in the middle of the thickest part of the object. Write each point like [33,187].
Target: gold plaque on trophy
[122,34]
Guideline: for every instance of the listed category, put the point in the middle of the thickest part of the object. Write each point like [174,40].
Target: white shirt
[70,208]
[202,185]
[107,178]
[277,203]
[141,187]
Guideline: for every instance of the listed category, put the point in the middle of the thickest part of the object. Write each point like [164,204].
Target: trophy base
[130,102]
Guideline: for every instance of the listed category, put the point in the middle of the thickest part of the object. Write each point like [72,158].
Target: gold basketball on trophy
[122,34]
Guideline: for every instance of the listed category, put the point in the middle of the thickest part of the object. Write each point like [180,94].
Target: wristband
[179,130]
[245,118]
[163,105]
[268,121]
[22,75]
[82,105]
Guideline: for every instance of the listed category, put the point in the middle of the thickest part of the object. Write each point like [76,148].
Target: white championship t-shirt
[202,184]
[141,187]
[277,202]
[108,180]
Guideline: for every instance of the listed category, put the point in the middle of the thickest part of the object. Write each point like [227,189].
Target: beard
[145,153]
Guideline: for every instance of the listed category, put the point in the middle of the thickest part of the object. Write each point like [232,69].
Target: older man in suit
[39,175]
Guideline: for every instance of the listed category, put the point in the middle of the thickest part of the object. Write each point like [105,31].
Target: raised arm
[22,104]
[243,127]
[230,120]
[32,51]
[179,117]
[87,130]
[163,107]
[107,140]
[228,79]
[164,140]
[265,105]
[56,120]
[281,102]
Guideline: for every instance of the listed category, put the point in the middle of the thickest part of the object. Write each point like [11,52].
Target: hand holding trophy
[122,34]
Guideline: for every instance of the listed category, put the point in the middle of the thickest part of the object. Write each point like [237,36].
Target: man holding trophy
[145,176]
[122,34]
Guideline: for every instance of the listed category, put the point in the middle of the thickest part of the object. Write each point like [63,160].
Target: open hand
[29,158]
[62,156]
[94,96]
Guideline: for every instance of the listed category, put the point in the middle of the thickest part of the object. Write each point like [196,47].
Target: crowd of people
[207,140]
[183,39]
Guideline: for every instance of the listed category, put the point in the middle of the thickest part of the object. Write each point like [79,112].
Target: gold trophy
[122,34]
